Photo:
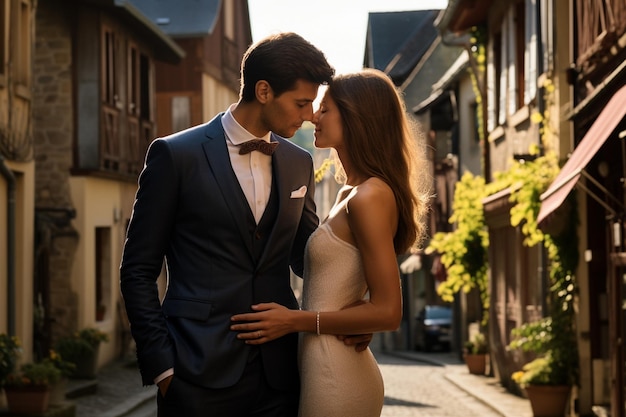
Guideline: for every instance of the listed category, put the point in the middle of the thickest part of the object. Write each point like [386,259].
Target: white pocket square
[299,193]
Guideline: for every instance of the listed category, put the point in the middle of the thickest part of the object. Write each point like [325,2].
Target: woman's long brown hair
[382,144]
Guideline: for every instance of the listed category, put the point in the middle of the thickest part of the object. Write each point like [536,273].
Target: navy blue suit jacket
[191,212]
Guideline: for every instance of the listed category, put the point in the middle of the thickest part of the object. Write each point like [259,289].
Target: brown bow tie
[257,145]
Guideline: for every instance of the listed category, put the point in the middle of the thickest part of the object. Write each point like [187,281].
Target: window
[110,93]
[180,113]
[145,90]
[530,57]
[140,117]
[514,62]
[3,37]
[229,19]
[520,51]
[23,43]
[103,273]
[127,97]
[139,82]
[475,122]
[134,106]
[499,64]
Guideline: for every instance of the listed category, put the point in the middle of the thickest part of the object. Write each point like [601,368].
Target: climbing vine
[464,250]
[477,49]
[553,338]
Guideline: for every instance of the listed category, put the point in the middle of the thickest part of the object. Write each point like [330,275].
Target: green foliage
[326,166]
[464,250]
[552,338]
[478,42]
[477,345]
[40,373]
[80,344]
[10,349]
[93,336]
[66,367]
[541,371]
[528,180]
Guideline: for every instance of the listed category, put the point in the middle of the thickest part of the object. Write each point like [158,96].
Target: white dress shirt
[253,170]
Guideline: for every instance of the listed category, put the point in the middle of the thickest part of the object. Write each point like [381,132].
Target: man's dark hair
[281,60]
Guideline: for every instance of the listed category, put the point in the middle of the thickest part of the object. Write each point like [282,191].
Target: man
[229,220]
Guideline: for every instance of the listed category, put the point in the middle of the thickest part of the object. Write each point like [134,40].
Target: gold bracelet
[317,323]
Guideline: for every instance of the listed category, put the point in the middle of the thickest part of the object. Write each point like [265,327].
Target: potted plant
[82,350]
[552,340]
[548,378]
[28,390]
[545,386]
[475,354]
[57,391]
[10,349]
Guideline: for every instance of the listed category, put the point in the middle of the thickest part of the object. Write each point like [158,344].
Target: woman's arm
[372,219]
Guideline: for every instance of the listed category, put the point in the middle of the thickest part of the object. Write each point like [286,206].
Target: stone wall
[53,129]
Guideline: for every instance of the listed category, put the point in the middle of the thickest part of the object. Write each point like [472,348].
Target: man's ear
[263,91]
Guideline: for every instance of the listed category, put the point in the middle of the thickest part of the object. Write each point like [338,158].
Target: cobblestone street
[424,385]
[421,389]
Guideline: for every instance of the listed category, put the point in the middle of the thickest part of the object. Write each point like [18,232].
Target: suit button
[258,236]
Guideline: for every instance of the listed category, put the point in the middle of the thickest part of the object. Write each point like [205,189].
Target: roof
[165,48]
[461,15]
[181,18]
[418,85]
[396,41]
[451,75]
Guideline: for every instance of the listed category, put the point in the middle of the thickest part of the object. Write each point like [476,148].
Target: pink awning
[595,137]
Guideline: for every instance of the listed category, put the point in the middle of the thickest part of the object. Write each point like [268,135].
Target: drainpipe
[8,175]
[544,279]
[541,105]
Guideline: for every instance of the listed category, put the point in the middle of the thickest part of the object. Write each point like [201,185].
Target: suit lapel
[216,152]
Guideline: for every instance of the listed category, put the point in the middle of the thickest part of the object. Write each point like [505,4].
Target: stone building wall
[53,128]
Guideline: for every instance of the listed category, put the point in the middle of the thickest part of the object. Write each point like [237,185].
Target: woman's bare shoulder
[372,193]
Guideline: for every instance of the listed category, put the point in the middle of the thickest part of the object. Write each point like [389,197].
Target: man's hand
[164,385]
[359,341]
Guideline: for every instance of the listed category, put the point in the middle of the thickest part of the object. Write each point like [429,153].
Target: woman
[378,215]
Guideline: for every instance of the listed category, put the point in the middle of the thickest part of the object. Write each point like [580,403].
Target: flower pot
[57,391]
[548,400]
[86,365]
[27,399]
[476,363]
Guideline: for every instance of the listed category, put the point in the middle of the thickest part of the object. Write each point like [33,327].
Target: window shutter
[530,56]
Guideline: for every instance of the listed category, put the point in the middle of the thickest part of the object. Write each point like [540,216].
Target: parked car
[433,328]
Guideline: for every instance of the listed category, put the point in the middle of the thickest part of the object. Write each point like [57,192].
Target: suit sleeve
[308,223]
[152,220]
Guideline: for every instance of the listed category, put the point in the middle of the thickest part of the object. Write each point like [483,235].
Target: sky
[337,27]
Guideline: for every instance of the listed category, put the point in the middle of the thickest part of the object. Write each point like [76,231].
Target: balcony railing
[600,23]
[122,151]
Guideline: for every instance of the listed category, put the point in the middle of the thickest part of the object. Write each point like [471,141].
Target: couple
[231,219]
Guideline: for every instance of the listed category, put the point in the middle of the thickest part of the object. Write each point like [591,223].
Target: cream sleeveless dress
[336,380]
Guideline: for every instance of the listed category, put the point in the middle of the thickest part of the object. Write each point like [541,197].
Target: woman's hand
[269,321]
